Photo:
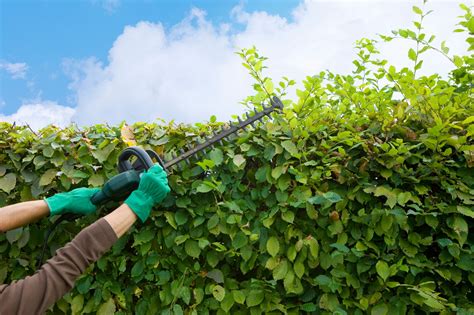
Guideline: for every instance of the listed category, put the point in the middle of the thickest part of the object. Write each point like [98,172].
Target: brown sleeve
[36,293]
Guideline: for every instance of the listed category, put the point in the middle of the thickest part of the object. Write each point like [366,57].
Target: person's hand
[77,201]
[153,188]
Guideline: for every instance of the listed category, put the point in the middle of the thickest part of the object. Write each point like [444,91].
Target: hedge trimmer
[134,160]
[121,185]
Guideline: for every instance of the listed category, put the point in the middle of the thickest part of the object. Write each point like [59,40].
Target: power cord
[64,217]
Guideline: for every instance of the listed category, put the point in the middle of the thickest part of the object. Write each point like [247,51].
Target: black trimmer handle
[117,188]
[154,156]
[99,198]
[143,161]
[121,186]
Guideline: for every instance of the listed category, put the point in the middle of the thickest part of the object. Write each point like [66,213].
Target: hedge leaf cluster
[357,198]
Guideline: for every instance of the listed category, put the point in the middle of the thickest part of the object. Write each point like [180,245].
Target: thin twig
[31,129]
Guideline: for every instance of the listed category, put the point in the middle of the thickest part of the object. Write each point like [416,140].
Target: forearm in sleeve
[36,293]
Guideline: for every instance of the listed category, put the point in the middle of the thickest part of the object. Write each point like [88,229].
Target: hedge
[356,198]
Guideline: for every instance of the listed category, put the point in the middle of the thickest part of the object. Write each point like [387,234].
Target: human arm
[75,201]
[35,294]
[121,220]
[23,213]
[153,188]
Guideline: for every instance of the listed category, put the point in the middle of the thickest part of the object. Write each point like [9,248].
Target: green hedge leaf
[192,248]
[273,246]
[8,182]
[218,292]
[255,297]
[382,269]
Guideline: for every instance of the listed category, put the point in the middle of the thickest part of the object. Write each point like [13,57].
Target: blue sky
[42,33]
[93,61]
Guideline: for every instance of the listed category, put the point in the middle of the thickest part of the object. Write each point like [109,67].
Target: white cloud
[321,34]
[41,114]
[16,70]
[190,71]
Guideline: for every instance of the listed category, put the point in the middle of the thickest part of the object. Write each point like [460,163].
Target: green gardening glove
[153,188]
[76,201]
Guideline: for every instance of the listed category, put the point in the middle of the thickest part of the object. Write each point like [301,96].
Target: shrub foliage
[356,198]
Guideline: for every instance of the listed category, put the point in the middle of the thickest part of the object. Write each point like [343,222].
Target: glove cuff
[141,204]
[55,204]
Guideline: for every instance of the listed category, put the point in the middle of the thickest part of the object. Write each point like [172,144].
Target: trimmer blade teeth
[223,133]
